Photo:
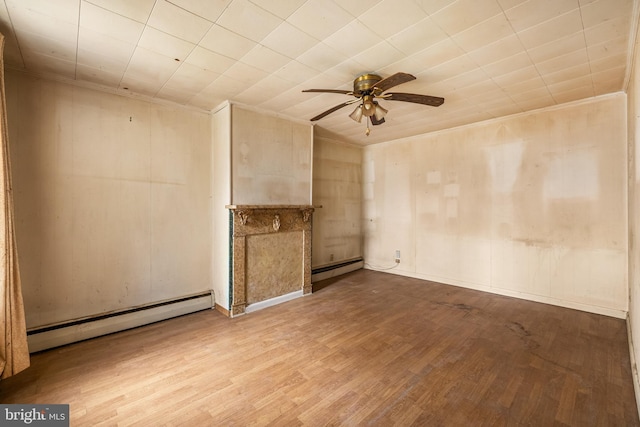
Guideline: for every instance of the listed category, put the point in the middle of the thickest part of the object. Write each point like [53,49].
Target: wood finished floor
[368,349]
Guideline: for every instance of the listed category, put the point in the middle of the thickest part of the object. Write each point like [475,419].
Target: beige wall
[533,206]
[337,187]
[271,158]
[221,185]
[112,199]
[633,114]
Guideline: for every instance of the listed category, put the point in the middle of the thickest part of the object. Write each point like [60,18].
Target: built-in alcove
[270,255]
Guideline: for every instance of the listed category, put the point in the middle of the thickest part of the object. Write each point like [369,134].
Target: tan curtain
[14,352]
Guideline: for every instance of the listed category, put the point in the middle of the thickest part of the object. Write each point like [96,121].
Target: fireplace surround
[270,254]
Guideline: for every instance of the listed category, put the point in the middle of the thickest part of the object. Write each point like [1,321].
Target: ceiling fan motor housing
[363,84]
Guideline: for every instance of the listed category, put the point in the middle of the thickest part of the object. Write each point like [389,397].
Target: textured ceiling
[487,58]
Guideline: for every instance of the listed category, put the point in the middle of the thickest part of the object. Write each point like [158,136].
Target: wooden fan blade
[375,121]
[331,110]
[391,81]
[433,101]
[344,92]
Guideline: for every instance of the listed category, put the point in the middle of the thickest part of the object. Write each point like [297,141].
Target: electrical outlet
[397,257]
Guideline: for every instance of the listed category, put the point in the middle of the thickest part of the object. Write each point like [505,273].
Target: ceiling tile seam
[258,6]
[15,35]
[124,73]
[584,37]
[480,67]
[191,51]
[526,51]
[116,13]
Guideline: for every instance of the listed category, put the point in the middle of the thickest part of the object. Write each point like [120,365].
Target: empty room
[320,212]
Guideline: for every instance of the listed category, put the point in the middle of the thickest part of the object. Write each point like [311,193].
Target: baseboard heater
[50,336]
[328,271]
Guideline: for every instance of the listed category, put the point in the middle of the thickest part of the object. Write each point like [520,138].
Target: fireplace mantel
[271,253]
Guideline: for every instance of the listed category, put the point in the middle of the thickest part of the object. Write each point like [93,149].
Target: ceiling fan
[369,87]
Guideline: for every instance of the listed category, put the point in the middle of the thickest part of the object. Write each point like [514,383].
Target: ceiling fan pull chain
[368,131]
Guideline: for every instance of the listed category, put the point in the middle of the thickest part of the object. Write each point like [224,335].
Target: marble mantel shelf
[239,207]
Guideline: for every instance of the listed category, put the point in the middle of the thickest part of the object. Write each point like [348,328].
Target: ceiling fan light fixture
[356,115]
[379,112]
[368,106]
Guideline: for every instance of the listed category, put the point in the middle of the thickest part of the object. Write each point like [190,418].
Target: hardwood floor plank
[368,349]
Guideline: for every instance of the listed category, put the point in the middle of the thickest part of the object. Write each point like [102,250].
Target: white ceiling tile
[531,13]
[178,22]
[207,9]
[609,62]
[45,64]
[352,39]
[224,87]
[508,4]
[165,44]
[319,18]
[280,8]
[497,51]
[516,77]
[263,91]
[433,6]
[140,86]
[288,40]
[600,11]
[583,83]
[192,78]
[392,16]
[116,27]
[558,47]
[608,48]
[100,50]
[177,95]
[571,73]
[573,94]
[560,63]
[98,75]
[227,43]
[33,22]
[615,28]
[208,60]
[347,72]
[321,57]
[464,14]
[138,10]
[378,56]
[47,46]
[508,65]
[492,30]
[356,7]
[295,72]
[414,38]
[96,59]
[245,73]
[264,59]
[437,54]
[608,81]
[554,29]
[151,66]
[248,20]
[60,10]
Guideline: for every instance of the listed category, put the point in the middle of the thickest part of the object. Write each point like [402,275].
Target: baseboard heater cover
[333,270]
[48,337]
